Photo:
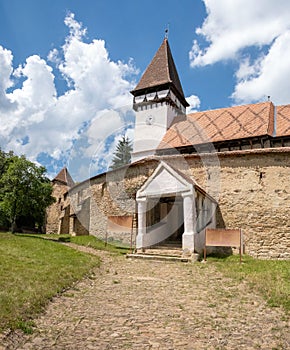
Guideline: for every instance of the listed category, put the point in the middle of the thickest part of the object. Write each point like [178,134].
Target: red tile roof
[283,120]
[220,125]
[64,177]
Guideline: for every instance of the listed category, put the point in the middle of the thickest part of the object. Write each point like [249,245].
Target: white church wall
[152,122]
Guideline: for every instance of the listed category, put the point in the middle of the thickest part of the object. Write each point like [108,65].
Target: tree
[4,161]
[24,191]
[122,154]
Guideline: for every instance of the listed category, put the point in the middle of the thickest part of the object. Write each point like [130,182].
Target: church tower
[158,99]
[57,222]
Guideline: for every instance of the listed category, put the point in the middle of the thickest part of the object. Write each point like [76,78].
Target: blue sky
[67,66]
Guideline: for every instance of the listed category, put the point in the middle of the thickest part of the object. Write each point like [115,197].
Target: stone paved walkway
[137,304]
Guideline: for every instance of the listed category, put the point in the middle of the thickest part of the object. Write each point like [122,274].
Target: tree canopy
[122,154]
[25,191]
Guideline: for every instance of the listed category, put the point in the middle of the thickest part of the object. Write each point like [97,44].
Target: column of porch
[142,204]
[189,213]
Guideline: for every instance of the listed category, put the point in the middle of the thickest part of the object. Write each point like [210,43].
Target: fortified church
[223,168]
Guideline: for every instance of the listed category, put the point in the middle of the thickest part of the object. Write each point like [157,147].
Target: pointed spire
[64,177]
[161,72]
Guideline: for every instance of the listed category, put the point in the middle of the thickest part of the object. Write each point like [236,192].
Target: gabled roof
[173,182]
[221,125]
[64,177]
[161,71]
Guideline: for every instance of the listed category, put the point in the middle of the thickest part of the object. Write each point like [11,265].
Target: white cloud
[233,25]
[247,70]
[50,123]
[102,126]
[267,76]
[97,141]
[53,56]
[76,28]
[5,78]
[38,91]
[231,28]
[6,69]
[194,103]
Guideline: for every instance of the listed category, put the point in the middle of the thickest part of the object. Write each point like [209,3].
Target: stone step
[167,246]
[158,257]
[170,242]
[162,251]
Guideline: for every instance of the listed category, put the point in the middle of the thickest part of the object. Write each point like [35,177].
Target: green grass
[32,271]
[271,278]
[91,241]
[88,241]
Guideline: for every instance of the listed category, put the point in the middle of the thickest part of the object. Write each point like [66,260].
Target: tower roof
[161,71]
[64,177]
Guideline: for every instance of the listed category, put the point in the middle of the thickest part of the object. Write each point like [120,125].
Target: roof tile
[221,125]
[64,177]
[283,120]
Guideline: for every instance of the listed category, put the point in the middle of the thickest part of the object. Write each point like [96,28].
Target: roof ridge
[272,122]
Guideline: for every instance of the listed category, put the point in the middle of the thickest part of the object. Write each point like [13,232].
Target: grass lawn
[32,271]
[270,278]
[88,241]
[96,243]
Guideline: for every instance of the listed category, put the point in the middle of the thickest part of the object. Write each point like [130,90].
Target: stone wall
[65,220]
[255,196]
[54,212]
[114,195]
[80,209]
[253,192]
[252,189]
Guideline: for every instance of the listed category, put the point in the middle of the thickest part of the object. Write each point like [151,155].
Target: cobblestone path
[137,304]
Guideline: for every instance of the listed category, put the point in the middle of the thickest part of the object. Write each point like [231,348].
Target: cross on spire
[167,31]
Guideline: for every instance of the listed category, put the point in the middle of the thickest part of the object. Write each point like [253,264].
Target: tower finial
[167,31]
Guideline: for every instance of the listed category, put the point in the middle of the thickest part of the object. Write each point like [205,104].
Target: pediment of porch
[165,181]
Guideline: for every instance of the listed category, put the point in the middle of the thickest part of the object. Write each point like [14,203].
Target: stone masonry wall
[80,211]
[252,189]
[114,195]
[53,212]
[255,196]
[253,192]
